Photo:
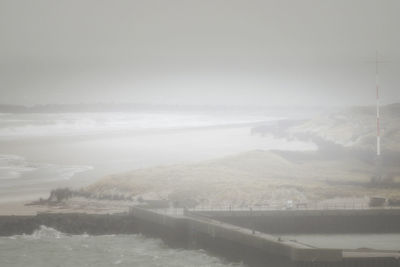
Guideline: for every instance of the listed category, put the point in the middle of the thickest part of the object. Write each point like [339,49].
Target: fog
[199,133]
[204,52]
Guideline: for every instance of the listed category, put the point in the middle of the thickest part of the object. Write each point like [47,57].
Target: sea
[41,151]
[47,247]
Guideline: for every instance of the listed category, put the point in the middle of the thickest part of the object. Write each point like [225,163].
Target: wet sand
[74,205]
[19,209]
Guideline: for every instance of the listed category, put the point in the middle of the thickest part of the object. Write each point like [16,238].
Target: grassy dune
[253,178]
[343,167]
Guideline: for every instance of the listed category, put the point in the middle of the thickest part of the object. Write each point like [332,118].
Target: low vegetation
[344,167]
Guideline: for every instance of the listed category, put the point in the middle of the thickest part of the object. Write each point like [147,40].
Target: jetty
[248,236]
[213,231]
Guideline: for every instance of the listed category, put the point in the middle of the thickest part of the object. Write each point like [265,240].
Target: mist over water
[25,125]
[41,151]
[200,103]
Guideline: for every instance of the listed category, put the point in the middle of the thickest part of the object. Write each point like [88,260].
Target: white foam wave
[14,167]
[105,250]
[67,124]
[44,232]
[66,172]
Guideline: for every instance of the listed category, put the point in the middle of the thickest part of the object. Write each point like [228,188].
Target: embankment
[312,221]
[70,223]
[208,230]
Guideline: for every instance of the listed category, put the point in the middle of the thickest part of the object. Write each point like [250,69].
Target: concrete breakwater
[254,247]
[70,223]
[231,241]
[311,221]
[193,230]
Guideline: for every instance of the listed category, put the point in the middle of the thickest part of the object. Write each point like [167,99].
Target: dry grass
[253,178]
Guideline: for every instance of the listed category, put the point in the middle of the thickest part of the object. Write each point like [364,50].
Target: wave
[13,167]
[70,124]
[105,250]
[43,232]
[46,232]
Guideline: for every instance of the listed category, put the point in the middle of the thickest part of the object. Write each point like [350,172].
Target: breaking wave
[48,247]
[13,167]
[15,126]
[45,232]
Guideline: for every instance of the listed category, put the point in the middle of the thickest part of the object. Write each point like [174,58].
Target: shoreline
[112,156]
[132,132]
[18,208]
[74,205]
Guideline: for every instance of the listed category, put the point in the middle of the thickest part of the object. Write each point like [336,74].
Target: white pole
[378,130]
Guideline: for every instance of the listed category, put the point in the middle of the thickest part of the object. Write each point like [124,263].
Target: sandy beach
[19,209]
[74,205]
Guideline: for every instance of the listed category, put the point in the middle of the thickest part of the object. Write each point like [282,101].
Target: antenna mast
[378,130]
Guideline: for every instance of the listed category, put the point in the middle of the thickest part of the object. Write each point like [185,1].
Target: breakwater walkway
[214,232]
[337,221]
[252,246]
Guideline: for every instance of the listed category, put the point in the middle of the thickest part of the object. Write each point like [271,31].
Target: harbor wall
[215,237]
[69,223]
[312,221]
[255,248]
[197,231]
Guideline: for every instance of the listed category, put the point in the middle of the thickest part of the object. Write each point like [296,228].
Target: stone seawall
[193,230]
[70,223]
[312,221]
[252,247]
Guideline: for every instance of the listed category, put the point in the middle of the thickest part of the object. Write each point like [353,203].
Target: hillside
[356,127]
[253,178]
[343,167]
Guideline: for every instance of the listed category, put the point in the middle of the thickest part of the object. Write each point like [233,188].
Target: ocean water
[47,247]
[14,168]
[27,125]
[24,177]
[42,151]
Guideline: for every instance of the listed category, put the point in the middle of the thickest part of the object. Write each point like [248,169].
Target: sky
[213,52]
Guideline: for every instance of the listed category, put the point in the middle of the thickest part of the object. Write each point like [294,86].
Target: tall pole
[378,126]
[378,130]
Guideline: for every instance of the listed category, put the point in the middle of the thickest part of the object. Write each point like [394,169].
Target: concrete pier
[254,247]
[221,233]
[311,221]
[69,223]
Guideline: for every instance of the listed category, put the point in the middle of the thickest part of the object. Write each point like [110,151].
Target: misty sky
[299,52]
